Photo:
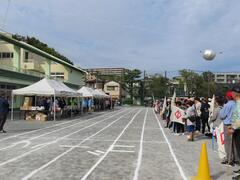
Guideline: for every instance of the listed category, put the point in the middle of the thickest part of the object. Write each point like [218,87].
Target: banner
[177,115]
[220,140]
[211,109]
[163,107]
[173,99]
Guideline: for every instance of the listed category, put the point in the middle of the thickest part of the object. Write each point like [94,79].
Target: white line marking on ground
[109,140]
[122,151]
[36,130]
[39,145]
[99,151]
[124,146]
[109,149]
[52,142]
[27,143]
[96,154]
[59,124]
[139,161]
[69,150]
[171,150]
[67,146]
[36,137]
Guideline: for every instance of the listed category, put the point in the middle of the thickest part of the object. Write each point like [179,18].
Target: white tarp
[46,87]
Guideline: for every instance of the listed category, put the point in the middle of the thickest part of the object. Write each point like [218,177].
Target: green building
[22,64]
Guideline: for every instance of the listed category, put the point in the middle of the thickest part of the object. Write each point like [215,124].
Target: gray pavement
[127,143]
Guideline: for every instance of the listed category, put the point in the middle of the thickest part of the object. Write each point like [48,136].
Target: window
[26,55]
[6,55]
[57,75]
[111,88]
[220,80]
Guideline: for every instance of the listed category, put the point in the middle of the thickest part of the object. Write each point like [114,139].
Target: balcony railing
[23,71]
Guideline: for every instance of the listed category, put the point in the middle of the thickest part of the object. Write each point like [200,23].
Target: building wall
[5,47]
[113,89]
[19,71]
[227,77]
[69,75]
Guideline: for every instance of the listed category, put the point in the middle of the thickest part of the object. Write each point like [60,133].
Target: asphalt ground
[128,143]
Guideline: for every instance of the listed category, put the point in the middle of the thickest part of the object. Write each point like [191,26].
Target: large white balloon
[209,54]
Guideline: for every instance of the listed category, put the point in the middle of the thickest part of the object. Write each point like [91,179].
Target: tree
[42,46]
[201,85]
[157,86]
[130,78]
[188,78]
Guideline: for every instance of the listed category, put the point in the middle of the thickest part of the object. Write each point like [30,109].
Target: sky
[151,35]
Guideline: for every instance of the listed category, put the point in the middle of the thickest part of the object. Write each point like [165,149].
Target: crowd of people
[203,116]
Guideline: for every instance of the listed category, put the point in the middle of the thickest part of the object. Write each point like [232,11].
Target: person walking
[4,109]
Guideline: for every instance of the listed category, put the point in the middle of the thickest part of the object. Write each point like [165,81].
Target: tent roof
[86,92]
[102,93]
[112,83]
[46,87]
[89,92]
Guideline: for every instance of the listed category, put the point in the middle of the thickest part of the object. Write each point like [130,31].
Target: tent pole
[111,103]
[71,105]
[12,108]
[54,107]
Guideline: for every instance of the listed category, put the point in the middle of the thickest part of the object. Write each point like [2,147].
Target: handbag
[192,118]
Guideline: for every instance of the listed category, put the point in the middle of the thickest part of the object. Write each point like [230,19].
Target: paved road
[129,143]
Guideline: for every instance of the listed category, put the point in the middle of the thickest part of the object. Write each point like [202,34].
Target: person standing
[190,119]
[197,106]
[4,109]
[226,116]
[234,129]
[215,119]
[205,115]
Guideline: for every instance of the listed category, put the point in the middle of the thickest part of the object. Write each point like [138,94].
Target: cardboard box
[30,116]
[41,117]
[27,101]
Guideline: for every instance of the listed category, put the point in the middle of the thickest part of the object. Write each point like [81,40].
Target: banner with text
[220,140]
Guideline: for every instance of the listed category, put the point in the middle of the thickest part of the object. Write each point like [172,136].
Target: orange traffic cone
[203,168]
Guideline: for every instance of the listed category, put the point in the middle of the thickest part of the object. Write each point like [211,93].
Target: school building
[22,64]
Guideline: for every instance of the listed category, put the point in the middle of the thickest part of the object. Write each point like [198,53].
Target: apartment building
[229,78]
[107,71]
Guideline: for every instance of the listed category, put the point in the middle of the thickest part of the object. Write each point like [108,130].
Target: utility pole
[165,74]
[143,86]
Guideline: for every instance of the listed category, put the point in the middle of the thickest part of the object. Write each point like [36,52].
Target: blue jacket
[4,106]
[226,112]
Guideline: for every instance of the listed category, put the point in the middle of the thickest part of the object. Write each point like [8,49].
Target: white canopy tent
[102,93]
[89,92]
[46,87]
[86,92]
